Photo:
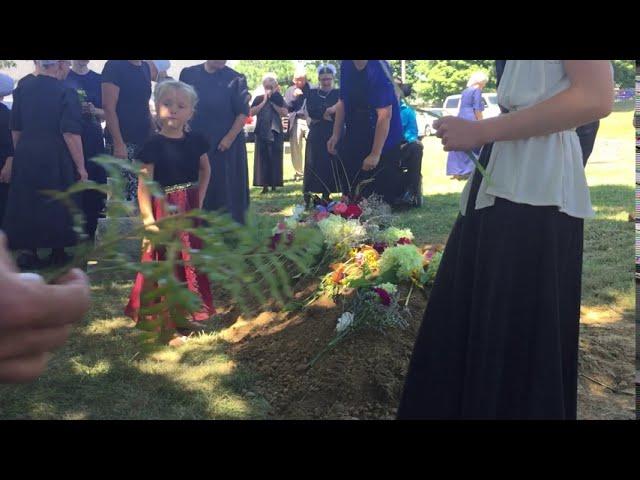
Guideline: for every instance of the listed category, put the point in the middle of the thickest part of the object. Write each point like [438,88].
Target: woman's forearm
[589,98]
[110,95]
[338,123]
[238,125]
[15,136]
[382,130]
[74,144]
[253,111]
[113,125]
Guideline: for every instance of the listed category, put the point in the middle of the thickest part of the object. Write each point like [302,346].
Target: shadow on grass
[101,374]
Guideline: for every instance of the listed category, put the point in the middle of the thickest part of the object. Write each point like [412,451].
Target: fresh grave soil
[363,377]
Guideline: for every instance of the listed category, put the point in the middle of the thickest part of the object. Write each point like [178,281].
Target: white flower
[297,211]
[344,322]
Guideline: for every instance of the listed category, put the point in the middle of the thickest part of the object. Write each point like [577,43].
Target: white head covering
[6,85]
[327,66]
[162,65]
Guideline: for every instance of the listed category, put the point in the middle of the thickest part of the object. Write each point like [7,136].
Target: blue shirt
[409,123]
[380,93]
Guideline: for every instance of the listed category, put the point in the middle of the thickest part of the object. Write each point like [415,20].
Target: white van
[451,105]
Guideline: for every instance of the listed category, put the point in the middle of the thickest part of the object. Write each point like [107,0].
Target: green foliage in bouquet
[243,260]
[429,274]
[401,263]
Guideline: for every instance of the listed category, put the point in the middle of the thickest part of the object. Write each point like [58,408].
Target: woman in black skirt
[126,91]
[46,123]
[499,339]
[269,148]
[322,173]
[6,143]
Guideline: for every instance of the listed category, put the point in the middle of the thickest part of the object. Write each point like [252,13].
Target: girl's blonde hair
[163,87]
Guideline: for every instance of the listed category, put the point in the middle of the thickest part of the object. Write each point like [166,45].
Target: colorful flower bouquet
[371,258]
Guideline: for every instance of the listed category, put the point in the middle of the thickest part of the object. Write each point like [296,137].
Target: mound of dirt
[362,378]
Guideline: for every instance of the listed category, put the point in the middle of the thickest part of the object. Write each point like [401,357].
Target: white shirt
[539,171]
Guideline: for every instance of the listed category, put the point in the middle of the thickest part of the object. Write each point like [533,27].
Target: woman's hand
[5,173]
[370,162]
[88,108]
[120,151]
[225,143]
[84,176]
[331,144]
[458,134]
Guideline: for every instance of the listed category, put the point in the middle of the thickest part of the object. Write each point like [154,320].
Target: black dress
[132,109]
[222,96]
[6,151]
[269,147]
[43,110]
[322,171]
[499,338]
[93,202]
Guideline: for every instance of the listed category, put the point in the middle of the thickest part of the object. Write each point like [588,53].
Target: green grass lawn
[99,374]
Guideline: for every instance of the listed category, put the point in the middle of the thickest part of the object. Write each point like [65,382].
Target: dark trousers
[411,160]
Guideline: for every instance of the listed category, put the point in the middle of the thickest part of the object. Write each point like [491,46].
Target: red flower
[403,241]
[385,298]
[353,211]
[321,215]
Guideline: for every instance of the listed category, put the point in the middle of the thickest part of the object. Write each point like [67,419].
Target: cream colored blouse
[538,171]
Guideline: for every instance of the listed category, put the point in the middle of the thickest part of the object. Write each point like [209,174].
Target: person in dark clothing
[46,124]
[220,116]
[88,84]
[269,109]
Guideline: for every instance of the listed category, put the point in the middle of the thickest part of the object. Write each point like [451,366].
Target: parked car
[624,94]
[425,119]
[451,105]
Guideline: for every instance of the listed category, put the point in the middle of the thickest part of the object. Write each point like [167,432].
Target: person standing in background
[88,85]
[6,143]
[220,116]
[126,91]
[296,99]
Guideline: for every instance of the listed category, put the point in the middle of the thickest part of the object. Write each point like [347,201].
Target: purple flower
[380,247]
[385,298]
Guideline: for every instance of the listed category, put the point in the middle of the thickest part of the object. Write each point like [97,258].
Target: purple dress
[458,163]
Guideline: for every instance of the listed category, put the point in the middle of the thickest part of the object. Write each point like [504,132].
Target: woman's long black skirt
[499,338]
[267,161]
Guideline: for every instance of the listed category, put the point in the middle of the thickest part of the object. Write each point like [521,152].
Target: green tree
[254,70]
[7,63]
[624,73]
[437,79]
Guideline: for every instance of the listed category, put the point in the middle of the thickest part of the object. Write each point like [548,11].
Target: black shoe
[273,189]
[264,190]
